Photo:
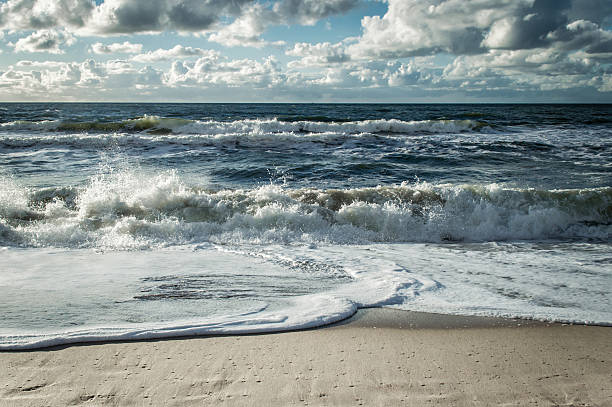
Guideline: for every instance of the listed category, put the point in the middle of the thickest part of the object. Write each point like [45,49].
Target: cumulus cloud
[582,34]
[323,53]
[40,64]
[79,80]
[44,14]
[214,70]
[427,27]
[232,23]
[492,44]
[523,70]
[116,48]
[177,52]
[415,27]
[247,29]
[211,71]
[44,41]
[137,16]
[478,46]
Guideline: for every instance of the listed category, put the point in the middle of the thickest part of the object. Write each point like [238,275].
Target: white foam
[524,280]
[271,126]
[247,126]
[128,209]
[20,125]
[115,278]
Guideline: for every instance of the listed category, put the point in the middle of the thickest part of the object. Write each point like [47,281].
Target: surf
[130,209]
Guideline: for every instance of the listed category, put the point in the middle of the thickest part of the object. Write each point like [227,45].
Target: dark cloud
[465,42]
[137,16]
[34,14]
[184,18]
[530,26]
[131,16]
[44,41]
[428,27]
[310,11]
[581,35]
[597,11]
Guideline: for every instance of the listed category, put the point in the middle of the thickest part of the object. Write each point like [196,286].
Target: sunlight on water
[251,218]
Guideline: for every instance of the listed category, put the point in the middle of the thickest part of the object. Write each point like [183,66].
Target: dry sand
[379,358]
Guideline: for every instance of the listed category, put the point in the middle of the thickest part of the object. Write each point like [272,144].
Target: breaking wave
[162,125]
[130,210]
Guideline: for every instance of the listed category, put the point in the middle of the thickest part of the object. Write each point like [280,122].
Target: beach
[378,357]
[292,254]
[306,202]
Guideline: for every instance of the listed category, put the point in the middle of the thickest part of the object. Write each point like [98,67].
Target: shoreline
[377,357]
[370,317]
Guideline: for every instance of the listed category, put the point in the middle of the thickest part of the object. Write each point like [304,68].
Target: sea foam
[155,124]
[131,210]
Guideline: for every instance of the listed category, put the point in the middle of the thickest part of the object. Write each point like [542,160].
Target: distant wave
[153,125]
[127,210]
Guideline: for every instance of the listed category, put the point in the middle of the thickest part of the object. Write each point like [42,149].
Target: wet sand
[379,357]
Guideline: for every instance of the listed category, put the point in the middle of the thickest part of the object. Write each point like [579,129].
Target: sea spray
[135,209]
[135,221]
[155,124]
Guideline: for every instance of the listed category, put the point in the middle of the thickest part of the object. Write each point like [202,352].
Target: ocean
[135,221]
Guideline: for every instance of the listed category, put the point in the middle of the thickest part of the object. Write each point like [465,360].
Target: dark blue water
[393,172]
[315,145]
[134,221]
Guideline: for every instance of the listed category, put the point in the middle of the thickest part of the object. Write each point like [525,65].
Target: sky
[306,50]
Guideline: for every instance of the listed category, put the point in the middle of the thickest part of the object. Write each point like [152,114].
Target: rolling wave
[128,210]
[162,125]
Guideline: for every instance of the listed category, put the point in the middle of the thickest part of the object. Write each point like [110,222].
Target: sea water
[127,221]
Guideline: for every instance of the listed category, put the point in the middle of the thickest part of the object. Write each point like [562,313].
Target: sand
[378,358]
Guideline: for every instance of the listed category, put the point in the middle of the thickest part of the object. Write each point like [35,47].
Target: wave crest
[127,210]
[164,125]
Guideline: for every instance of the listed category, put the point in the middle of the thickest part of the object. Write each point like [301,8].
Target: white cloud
[213,70]
[177,52]
[429,27]
[40,64]
[605,83]
[505,46]
[44,41]
[232,23]
[425,27]
[319,54]
[116,48]
[523,70]
[78,80]
[119,66]
[95,79]
[246,29]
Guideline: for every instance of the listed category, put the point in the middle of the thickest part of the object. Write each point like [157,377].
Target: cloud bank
[501,49]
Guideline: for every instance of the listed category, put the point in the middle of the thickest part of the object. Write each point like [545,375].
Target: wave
[130,210]
[162,125]
[111,140]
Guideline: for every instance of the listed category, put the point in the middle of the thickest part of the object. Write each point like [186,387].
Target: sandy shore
[378,358]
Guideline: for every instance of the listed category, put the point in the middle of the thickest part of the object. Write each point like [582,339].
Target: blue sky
[306,50]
